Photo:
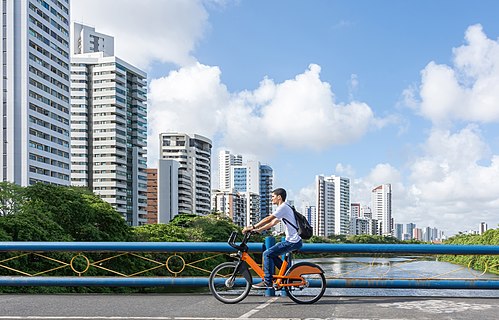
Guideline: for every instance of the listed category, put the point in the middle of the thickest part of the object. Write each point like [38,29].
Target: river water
[402,267]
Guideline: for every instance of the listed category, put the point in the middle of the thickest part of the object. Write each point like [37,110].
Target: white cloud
[149,30]
[452,184]
[445,185]
[450,172]
[190,100]
[468,90]
[344,170]
[298,113]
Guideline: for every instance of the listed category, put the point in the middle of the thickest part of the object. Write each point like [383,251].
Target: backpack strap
[287,221]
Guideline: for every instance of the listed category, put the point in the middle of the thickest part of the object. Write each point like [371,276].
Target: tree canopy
[44,212]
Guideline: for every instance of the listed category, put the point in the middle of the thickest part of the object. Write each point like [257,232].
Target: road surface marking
[260,307]
[437,306]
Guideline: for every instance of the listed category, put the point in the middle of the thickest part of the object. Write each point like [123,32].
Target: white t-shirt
[284,211]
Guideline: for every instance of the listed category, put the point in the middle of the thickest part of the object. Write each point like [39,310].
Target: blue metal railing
[199,247]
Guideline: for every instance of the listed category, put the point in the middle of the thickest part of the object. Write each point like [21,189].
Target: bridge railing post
[269,242]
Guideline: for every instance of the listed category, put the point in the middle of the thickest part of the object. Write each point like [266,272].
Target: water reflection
[402,267]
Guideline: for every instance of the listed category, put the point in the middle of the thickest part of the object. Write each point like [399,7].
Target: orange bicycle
[230,282]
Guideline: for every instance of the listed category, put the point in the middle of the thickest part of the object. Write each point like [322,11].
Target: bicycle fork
[241,268]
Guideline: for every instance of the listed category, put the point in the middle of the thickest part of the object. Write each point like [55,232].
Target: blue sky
[387,91]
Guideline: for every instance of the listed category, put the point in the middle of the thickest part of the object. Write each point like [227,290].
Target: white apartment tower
[193,153]
[225,161]
[108,124]
[381,198]
[246,179]
[333,206]
[35,136]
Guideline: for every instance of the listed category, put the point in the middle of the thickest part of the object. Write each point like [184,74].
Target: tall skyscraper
[354,216]
[399,231]
[193,153]
[409,229]
[250,178]
[333,205]
[246,179]
[225,161]
[381,198]
[108,124]
[266,187]
[34,140]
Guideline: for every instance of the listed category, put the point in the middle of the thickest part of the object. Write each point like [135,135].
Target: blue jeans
[273,254]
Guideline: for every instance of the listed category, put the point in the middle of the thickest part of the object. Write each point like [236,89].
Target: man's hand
[248,229]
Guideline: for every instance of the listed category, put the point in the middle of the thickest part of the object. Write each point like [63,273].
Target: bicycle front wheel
[314,284]
[226,286]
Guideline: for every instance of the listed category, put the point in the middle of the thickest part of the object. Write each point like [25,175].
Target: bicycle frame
[294,279]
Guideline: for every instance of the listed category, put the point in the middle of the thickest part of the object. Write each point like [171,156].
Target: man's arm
[264,224]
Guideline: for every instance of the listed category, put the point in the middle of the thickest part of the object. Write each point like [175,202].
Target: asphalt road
[204,306]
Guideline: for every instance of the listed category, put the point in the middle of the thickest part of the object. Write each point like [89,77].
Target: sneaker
[262,285]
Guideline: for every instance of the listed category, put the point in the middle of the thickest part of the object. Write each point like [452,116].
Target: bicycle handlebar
[242,246]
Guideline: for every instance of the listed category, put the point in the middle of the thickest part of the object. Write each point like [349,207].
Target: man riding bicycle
[293,241]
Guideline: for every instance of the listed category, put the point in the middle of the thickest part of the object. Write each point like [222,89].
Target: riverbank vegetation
[486,263]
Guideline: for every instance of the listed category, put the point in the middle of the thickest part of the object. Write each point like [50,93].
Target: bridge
[174,265]
[188,264]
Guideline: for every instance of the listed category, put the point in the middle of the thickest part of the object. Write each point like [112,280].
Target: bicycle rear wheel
[315,283]
[226,288]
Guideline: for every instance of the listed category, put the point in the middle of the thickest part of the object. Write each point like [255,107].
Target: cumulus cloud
[297,113]
[190,100]
[469,89]
[163,31]
[456,178]
[453,179]
[450,172]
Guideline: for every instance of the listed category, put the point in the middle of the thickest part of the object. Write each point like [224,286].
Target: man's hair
[280,192]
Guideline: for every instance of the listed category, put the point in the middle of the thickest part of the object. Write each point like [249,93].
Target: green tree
[82,215]
[11,198]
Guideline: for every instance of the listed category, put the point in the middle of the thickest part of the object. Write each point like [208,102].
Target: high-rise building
[409,230]
[152,196]
[381,198]
[251,178]
[354,216]
[310,212]
[417,234]
[35,140]
[230,204]
[482,228]
[266,188]
[399,231]
[193,153]
[355,210]
[246,179]
[168,189]
[333,205]
[225,161]
[108,124]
